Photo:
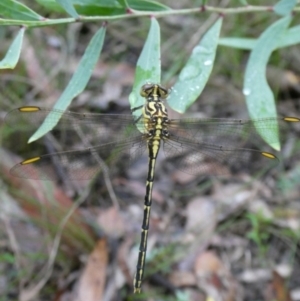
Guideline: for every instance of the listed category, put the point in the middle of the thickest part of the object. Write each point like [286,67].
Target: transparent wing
[208,159]
[231,132]
[114,135]
[101,126]
[202,146]
[220,146]
[78,165]
[32,117]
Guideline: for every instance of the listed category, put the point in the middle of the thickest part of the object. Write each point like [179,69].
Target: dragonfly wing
[232,132]
[204,159]
[114,135]
[96,125]
[78,165]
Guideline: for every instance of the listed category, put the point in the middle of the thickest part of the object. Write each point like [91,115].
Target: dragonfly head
[152,90]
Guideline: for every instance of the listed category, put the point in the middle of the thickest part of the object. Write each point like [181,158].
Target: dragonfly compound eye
[164,93]
[146,89]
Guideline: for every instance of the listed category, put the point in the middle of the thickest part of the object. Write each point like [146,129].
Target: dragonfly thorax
[154,111]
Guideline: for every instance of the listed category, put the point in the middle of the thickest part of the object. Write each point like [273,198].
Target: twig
[104,170]
[136,14]
[33,290]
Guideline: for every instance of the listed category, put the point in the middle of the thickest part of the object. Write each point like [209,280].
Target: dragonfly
[201,146]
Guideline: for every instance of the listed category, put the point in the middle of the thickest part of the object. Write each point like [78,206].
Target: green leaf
[99,7]
[105,7]
[123,3]
[195,73]
[12,55]
[77,83]
[259,97]
[51,5]
[148,66]
[291,37]
[88,7]
[69,8]
[17,11]
[6,257]
[240,43]
[284,7]
[147,5]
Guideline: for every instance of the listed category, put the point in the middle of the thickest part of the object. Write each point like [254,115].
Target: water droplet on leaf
[189,72]
[208,63]
[246,91]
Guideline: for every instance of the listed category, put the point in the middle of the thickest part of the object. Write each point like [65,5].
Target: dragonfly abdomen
[155,116]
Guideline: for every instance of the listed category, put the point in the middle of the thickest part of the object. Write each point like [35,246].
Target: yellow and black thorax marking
[155,114]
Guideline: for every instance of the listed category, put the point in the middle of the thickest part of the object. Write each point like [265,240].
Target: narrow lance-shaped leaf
[17,11]
[147,5]
[291,37]
[195,73]
[86,8]
[106,7]
[50,5]
[239,43]
[123,3]
[284,7]
[148,66]
[77,83]
[69,8]
[259,97]
[12,55]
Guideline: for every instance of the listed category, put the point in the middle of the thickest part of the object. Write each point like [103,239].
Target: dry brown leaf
[277,290]
[117,77]
[215,279]
[201,216]
[283,79]
[200,225]
[255,275]
[123,254]
[182,278]
[111,222]
[195,295]
[233,193]
[92,280]
[208,262]
[231,198]
[182,178]
[34,196]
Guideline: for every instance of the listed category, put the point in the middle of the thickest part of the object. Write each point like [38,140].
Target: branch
[136,14]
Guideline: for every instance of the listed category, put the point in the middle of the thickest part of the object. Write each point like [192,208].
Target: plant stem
[136,14]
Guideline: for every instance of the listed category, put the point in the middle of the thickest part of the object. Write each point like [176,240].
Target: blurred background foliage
[235,239]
